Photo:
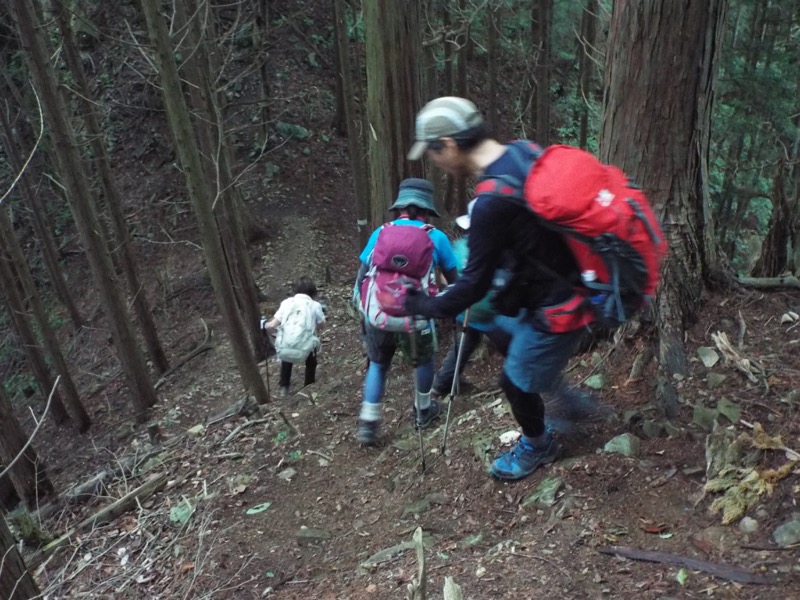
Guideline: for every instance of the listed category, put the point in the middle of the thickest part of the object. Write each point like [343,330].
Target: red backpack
[605,218]
[402,258]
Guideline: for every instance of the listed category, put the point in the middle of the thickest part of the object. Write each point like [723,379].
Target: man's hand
[417,303]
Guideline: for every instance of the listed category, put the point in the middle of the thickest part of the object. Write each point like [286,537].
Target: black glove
[417,303]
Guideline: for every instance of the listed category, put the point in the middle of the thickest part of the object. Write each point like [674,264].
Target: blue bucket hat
[415,192]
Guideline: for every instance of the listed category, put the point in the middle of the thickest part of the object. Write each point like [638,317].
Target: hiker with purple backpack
[401,256]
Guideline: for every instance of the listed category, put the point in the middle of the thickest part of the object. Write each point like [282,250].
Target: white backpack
[297,337]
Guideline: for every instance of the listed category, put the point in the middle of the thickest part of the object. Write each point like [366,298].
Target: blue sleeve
[445,258]
[365,253]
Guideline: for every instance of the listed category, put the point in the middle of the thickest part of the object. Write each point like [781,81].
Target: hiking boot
[283,391]
[423,418]
[524,459]
[368,432]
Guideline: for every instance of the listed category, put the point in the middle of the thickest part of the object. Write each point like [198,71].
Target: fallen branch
[203,347]
[770,282]
[105,515]
[720,570]
[240,428]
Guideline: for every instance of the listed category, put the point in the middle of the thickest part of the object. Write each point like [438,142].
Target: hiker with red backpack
[572,240]
[401,257]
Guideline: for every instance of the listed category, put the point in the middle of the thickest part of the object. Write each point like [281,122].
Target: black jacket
[506,234]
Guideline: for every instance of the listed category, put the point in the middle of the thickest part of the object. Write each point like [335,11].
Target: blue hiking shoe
[524,459]
[423,418]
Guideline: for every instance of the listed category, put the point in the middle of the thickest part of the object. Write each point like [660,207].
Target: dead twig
[35,431]
[240,428]
[203,347]
[742,331]
[320,454]
[720,570]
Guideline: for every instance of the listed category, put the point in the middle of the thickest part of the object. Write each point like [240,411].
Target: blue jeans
[536,359]
[381,346]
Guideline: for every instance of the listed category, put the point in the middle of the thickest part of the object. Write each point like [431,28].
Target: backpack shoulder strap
[524,153]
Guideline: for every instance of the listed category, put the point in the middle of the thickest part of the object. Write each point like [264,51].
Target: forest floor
[295,508]
[287,505]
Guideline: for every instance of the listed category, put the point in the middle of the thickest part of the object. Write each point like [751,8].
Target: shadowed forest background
[167,170]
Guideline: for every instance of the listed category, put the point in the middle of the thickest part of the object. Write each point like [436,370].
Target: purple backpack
[402,258]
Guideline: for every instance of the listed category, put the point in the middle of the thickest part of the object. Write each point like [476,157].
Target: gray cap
[444,117]
[415,192]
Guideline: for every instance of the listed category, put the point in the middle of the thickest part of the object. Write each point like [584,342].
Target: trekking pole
[267,346]
[456,377]
[413,345]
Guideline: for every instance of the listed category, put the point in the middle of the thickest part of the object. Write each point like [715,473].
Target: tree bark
[393,98]
[15,581]
[123,250]
[81,198]
[660,82]
[188,149]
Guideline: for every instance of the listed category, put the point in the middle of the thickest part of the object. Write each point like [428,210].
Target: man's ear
[448,142]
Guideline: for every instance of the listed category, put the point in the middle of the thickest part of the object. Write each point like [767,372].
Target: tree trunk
[544,69]
[188,149]
[15,581]
[586,67]
[227,201]
[352,121]
[261,34]
[19,268]
[340,116]
[28,474]
[37,208]
[492,51]
[33,42]
[123,251]
[30,345]
[393,97]
[774,258]
[660,80]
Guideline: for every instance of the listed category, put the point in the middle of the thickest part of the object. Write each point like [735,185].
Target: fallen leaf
[259,508]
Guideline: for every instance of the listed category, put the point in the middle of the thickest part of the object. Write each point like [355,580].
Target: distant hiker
[481,322]
[400,256]
[298,320]
[544,303]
